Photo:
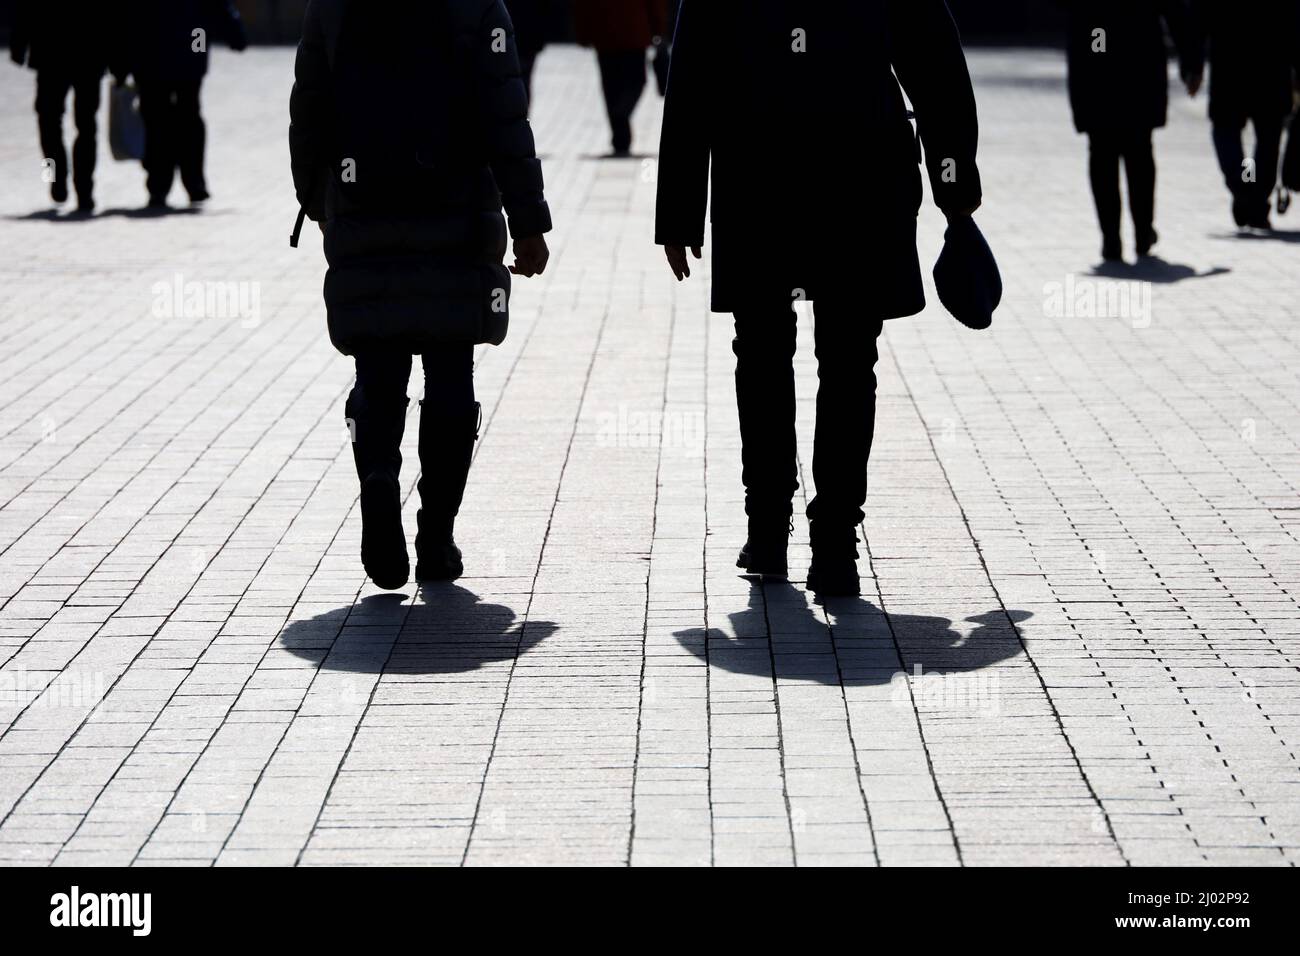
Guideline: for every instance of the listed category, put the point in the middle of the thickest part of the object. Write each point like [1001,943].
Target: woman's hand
[531,256]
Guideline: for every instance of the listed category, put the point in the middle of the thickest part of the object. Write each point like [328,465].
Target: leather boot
[446,448]
[377,451]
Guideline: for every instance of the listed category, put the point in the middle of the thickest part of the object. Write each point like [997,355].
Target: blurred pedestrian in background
[795,110]
[409,131]
[1252,47]
[621,31]
[1119,90]
[69,45]
[168,55]
[533,21]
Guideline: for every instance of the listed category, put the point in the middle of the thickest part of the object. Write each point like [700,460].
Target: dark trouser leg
[847,351]
[449,420]
[191,140]
[51,94]
[1140,166]
[1232,162]
[84,149]
[1103,169]
[158,113]
[623,78]
[1268,148]
[765,397]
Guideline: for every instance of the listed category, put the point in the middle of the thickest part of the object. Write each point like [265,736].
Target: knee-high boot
[447,439]
[377,451]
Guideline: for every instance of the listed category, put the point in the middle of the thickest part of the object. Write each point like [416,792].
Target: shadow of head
[446,629]
[849,641]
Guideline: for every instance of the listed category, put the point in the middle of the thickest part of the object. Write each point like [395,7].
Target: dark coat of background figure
[69,46]
[620,31]
[169,62]
[409,133]
[1119,90]
[794,111]
[1253,48]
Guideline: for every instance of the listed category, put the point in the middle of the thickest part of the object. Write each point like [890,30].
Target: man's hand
[531,256]
[678,262]
[1193,83]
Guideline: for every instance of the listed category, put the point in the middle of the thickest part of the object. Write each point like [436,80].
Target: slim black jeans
[52,87]
[1135,149]
[847,352]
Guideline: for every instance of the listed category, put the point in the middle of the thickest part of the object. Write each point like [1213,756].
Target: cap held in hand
[966,275]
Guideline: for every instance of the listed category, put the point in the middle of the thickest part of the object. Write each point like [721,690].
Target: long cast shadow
[447,630]
[1155,270]
[863,653]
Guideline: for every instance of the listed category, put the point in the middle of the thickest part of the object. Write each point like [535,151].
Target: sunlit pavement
[1079,633]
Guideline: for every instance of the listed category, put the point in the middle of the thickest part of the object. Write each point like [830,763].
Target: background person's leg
[1140,168]
[191,140]
[1103,171]
[1268,149]
[1232,159]
[84,150]
[159,150]
[51,94]
[623,78]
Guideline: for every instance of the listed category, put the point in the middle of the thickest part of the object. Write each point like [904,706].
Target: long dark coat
[1119,83]
[612,25]
[160,34]
[1254,45]
[816,183]
[67,37]
[409,131]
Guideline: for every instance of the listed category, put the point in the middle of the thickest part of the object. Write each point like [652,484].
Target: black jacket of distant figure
[815,173]
[1119,79]
[534,20]
[65,37]
[161,40]
[1254,47]
[409,133]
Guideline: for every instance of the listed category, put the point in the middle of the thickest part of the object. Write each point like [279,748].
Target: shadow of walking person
[855,644]
[1155,270]
[446,630]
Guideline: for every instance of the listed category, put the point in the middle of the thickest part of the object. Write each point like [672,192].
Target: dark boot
[446,450]
[377,450]
[764,554]
[834,571]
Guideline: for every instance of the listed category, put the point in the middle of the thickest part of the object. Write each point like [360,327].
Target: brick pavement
[1078,642]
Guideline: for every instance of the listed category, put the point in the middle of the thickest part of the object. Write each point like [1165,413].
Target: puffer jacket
[409,133]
